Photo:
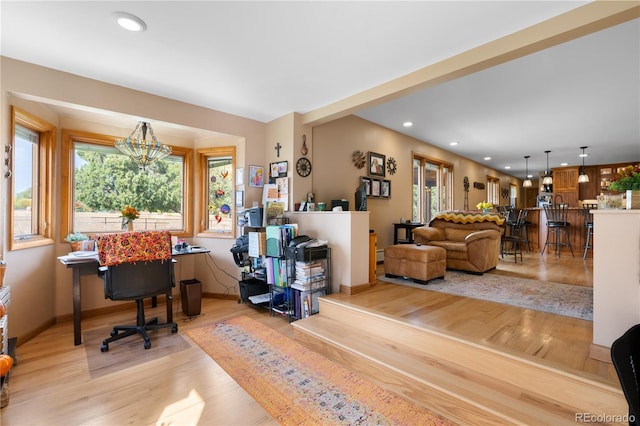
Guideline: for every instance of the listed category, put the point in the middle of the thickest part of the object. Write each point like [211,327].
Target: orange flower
[130,213]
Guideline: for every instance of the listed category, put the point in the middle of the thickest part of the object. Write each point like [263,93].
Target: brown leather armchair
[472,240]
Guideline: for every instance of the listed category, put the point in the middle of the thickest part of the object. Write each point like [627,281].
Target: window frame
[422,215]
[202,158]
[45,167]
[493,190]
[66,209]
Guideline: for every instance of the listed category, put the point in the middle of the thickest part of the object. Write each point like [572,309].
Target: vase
[485,210]
[633,199]
[130,226]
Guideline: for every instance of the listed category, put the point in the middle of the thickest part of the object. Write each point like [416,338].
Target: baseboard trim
[355,289]
[601,353]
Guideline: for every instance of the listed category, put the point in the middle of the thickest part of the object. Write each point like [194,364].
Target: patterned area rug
[560,299]
[298,386]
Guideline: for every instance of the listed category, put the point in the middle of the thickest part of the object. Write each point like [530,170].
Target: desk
[408,235]
[89,266]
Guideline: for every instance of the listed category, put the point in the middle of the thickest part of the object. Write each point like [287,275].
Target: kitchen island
[537,230]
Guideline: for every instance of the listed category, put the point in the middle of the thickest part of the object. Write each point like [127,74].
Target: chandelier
[142,150]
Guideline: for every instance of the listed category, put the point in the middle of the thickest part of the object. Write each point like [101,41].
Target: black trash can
[191,295]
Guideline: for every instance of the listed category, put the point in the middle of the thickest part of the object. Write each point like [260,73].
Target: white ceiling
[264,59]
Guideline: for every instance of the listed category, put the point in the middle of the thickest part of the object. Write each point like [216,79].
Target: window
[216,172]
[99,181]
[32,148]
[493,190]
[432,188]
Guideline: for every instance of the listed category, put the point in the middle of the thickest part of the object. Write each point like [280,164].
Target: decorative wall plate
[359,159]
[391,166]
[303,167]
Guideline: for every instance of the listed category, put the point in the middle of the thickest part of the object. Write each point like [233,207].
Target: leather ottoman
[419,262]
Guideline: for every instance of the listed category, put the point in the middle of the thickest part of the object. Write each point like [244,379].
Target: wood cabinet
[565,182]
[373,245]
[565,185]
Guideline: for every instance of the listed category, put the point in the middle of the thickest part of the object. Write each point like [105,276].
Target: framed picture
[256,176]
[385,189]
[367,183]
[376,164]
[278,170]
[239,198]
[375,188]
[239,176]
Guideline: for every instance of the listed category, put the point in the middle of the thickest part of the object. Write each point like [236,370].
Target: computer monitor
[361,198]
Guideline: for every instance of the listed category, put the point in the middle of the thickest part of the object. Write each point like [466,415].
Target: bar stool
[588,226]
[515,239]
[557,225]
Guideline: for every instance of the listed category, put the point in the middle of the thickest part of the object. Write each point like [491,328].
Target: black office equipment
[361,198]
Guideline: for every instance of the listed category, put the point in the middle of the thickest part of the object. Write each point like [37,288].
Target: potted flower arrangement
[76,239]
[129,214]
[484,206]
[628,180]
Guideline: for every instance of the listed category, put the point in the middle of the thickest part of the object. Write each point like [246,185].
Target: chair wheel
[104,347]
[147,345]
[113,333]
[174,329]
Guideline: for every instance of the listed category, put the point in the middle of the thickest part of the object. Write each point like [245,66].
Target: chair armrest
[427,233]
[485,233]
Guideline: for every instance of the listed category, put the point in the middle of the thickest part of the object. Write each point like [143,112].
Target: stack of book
[308,276]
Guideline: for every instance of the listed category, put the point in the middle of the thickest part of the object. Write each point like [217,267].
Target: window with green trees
[216,168]
[103,181]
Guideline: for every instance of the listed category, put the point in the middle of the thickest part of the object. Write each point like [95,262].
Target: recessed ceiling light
[454,143]
[130,22]
[564,164]
[507,167]
[407,124]
[529,176]
[487,158]
[583,155]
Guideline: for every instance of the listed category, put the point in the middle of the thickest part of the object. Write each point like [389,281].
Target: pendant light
[547,180]
[584,177]
[527,182]
[142,150]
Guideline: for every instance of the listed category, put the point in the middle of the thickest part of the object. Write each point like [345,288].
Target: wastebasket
[190,295]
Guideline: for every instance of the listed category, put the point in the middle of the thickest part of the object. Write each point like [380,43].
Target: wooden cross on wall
[277,148]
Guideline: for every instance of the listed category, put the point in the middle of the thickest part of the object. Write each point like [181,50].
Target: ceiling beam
[576,23]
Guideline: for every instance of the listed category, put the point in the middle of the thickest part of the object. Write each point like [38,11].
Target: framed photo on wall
[278,170]
[256,176]
[239,198]
[385,189]
[376,164]
[367,183]
[375,188]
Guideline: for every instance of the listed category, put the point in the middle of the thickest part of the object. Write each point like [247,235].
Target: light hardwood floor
[51,385]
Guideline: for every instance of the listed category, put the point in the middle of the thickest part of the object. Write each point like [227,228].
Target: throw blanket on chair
[129,247]
[461,216]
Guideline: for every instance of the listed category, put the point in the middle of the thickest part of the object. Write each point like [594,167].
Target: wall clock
[303,167]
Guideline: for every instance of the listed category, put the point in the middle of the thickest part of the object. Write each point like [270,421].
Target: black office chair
[137,266]
[625,354]
[588,226]
[558,227]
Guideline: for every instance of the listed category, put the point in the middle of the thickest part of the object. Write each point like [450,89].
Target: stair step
[460,380]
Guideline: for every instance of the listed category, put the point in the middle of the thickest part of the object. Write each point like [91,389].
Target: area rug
[129,351]
[560,299]
[298,386]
